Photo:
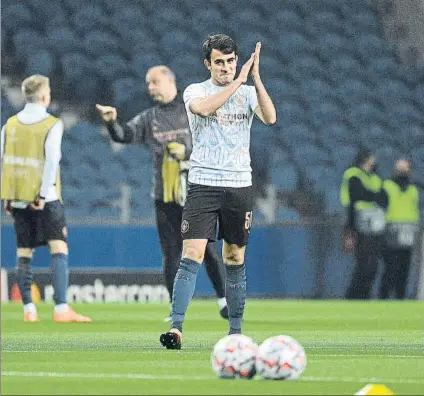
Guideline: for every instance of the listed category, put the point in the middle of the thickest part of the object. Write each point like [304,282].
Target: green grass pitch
[348,345]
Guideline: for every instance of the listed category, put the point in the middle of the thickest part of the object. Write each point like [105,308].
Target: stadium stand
[335,79]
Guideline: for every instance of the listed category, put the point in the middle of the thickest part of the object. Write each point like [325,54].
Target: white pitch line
[312,356]
[200,378]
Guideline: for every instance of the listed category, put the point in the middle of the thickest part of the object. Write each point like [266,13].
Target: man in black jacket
[164,130]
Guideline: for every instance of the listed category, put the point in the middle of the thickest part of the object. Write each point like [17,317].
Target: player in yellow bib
[31,152]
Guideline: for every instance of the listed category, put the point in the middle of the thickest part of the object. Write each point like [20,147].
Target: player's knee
[194,250]
[233,255]
[58,247]
[25,252]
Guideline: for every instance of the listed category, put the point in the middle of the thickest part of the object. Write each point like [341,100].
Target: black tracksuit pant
[168,219]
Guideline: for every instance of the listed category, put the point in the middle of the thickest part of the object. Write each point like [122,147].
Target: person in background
[400,199]
[360,194]
[31,152]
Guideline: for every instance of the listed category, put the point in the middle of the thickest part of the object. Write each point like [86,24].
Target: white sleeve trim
[53,154]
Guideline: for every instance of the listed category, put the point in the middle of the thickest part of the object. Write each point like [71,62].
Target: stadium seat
[294,43]
[16,15]
[326,112]
[99,42]
[296,134]
[336,134]
[126,89]
[332,202]
[111,66]
[343,157]
[304,66]
[344,65]
[284,177]
[371,46]
[63,40]
[310,154]
[354,90]
[322,176]
[287,215]
[331,44]
[21,39]
[290,111]
[76,66]
[287,20]
[323,22]
[41,62]
[142,62]
[90,17]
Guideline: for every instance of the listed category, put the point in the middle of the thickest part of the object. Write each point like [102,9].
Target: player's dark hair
[220,42]
[362,156]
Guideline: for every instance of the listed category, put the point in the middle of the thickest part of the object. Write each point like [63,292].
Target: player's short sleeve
[253,98]
[193,91]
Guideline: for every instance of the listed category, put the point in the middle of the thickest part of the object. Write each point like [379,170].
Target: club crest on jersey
[240,100]
[184,226]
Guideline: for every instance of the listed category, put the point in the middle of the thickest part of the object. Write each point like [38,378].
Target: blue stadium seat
[137,41]
[90,17]
[111,66]
[386,157]
[21,39]
[142,62]
[63,40]
[343,157]
[344,65]
[287,215]
[315,88]
[322,176]
[306,65]
[332,44]
[374,135]
[126,89]
[177,38]
[290,111]
[371,46]
[354,90]
[326,112]
[310,154]
[41,62]
[284,177]
[363,21]
[281,88]
[128,18]
[365,113]
[404,113]
[287,20]
[294,43]
[393,91]
[318,23]
[76,66]
[332,202]
[336,134]
[417,156]
[297,133]
[412,136]
[99,42]
[16,15]
[384,66]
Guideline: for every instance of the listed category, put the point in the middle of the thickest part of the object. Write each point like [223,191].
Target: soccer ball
[280,358]
[234,357]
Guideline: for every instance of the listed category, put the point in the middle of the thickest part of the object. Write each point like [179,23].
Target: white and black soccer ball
[280,358]
[234,356]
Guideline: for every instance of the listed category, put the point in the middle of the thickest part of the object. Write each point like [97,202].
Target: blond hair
[32,85]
